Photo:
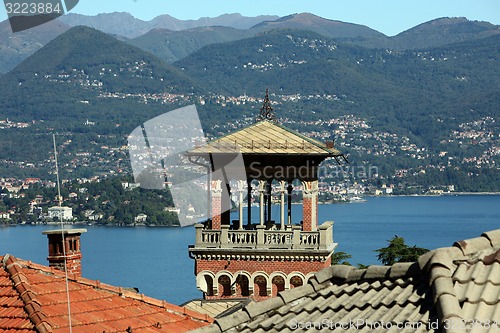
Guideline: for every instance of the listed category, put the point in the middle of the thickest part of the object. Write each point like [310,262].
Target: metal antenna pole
[59,198]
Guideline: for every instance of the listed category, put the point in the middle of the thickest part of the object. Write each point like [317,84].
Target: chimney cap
[65,231]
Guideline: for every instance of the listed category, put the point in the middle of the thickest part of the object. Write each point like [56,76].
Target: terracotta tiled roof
[266,137]
[455,289]
[33,299]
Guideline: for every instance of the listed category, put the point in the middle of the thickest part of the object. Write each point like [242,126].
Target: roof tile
[482,312]
[424,260]
[403,269]
[257,308]
[473,245]
[443,286]
[295,293]
[494,237]
[376,272]
[445,257]
[335,272]
[448,307]
[439,272]
[491,258]
[475,293]
[481,273]
[319,286]
[356,275]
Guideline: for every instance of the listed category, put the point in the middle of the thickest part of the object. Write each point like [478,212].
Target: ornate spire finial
[266,111]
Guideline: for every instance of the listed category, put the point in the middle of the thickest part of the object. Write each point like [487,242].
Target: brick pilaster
[216,191]
[310,205]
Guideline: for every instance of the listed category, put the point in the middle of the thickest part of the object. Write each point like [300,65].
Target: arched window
[210,285]
[224,285]
[260,285]
[242,285]
[278,284]
[296,281]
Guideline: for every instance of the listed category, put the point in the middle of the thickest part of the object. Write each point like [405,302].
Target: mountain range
[171,39]
[126,25]
[399,108]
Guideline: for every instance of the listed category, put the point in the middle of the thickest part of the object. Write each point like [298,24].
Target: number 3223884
[33,8]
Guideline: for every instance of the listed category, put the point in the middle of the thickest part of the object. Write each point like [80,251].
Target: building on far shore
[64,213]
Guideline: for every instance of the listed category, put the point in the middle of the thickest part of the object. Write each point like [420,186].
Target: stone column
[269,200]
[241,190]
[216,191]
[289,190]
[310,205]
[283,190]
[249,203]
[262,190]
[226,205]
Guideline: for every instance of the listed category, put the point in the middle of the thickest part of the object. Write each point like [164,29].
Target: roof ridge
[372,272]
[21,284]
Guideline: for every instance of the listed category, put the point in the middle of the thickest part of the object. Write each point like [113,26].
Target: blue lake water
[156,261]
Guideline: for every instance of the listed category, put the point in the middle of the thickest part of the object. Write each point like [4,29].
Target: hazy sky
[387,16]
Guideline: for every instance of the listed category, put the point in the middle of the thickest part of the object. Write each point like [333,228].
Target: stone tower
[258,256]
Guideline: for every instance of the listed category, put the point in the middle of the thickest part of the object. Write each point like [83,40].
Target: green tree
[340,258]
[398,251]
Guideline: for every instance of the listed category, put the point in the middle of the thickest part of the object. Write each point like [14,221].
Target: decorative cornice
[263,257]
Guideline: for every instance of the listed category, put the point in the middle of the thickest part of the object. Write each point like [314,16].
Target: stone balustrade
[263,238]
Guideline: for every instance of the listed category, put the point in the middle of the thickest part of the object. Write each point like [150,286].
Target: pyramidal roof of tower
[264,138]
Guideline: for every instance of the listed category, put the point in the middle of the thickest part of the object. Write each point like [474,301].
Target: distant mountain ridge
[126,25]
[326,27]
[173,46]
[171,39]
[443,31]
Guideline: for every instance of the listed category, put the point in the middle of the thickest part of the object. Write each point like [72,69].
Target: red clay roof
[33,299]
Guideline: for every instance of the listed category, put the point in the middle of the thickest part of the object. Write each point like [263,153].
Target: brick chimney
[71,249]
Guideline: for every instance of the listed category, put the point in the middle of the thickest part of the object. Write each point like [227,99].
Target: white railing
[278,238]
[210,237]
[242,238]
[262,238]
[309,238]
